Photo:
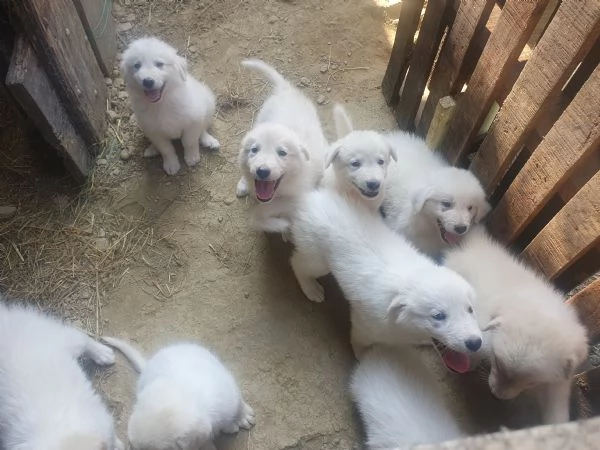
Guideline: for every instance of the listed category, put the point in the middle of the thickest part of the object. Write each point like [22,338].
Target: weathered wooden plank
[58,38]
[586,394]
[470,18]
[569,36]
[30,86]
[439,124]
[403,44]
[587,303]
[572,138]
[569,234]
[515,24]
[96,17]
[421,62]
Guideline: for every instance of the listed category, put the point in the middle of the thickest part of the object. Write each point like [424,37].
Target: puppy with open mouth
[282,156]
[168,102]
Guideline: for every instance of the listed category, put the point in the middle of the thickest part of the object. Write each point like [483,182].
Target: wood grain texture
[59,40]
[587,303]
[439,123]
[30,86]
[470,19]
[401,51]
[515,24]
[97,19]
[573,231]
[426,48]
[574,136]
[569,36]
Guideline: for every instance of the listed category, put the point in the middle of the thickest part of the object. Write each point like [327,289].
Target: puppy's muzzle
[371,189]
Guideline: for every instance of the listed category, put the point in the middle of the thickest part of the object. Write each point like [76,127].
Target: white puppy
[168,102]
[185,397]
[400,400]
[429,202]
[397,295]
[535,338]
[282,156]
[46,401]
[356,164]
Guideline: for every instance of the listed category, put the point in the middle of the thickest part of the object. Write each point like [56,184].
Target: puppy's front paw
[151,152]
[101,354]
[314,291]
[232,428]
[241,189]
[209,142]
[248,418]
[171,167]
[193,159]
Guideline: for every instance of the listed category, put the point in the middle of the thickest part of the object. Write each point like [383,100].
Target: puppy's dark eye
[281,152]
[137,66]
[355,163]
[470,208]
[447,204]
[254,149]
[470,310]
[159,64]
[381,162]
[439,316]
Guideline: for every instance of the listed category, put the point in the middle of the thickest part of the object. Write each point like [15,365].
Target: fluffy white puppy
[356,164]
[185,397]
[429,202]
[46,401]
[168,102]
[536,340]
[396,294]
[282,155]
[400,401]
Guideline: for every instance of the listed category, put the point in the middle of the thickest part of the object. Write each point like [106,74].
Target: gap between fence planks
[421,62]
[470,18]
[587,303]
[573,231]
[410,13]
[569,36]
[58,38]
[572,138]
[515,24]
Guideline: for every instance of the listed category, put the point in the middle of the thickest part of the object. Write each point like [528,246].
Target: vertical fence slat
[403,43]
[573,137]
[515,24]
[470,18]
[569,234]
[587,303]
[421,62]
[569,36]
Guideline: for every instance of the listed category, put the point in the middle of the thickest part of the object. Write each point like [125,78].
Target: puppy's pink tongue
[451,238]
[458,362]
[153,95]
[264,190]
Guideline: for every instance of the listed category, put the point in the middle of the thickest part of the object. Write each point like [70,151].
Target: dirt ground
[202,274]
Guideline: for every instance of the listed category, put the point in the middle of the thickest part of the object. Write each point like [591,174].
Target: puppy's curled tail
[133,355]
[343,124]
[268,72]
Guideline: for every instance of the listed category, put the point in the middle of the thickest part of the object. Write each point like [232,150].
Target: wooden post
[439,123]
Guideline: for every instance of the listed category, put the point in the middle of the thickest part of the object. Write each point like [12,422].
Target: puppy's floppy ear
[493,324]
[481,211]
[397,308]
[330,157]
[304,152]
[420,196]
[181,66]
[393,152]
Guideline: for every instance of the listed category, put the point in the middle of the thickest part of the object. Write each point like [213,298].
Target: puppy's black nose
[263,173]
[473,344]
[460,229]
[148,83]
[373,185]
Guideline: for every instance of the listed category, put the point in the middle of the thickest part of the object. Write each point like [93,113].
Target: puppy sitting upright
[282,156]
[168,102]
[356,164]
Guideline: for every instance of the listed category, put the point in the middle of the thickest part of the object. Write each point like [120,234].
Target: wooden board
[58,38]
[421,62]
[470,18]
[515,24]
[574,136]
[572,232]
[97,19]
[439,123]
[403,44]
[569,36]
[587,303]
[30,86]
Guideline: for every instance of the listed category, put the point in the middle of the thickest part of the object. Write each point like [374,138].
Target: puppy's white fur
[185,397]
[356,164]
[429,202]
[395,292]
[400,400]
[46,401]
[535,340]
[173,105]
[282,155]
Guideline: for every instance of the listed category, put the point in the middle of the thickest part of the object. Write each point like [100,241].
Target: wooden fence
[512,91]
